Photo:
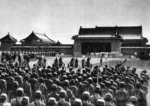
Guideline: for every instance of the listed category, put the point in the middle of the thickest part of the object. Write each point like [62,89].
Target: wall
[132,51]
[77,48]
[115,44]
[6,46]
[65,49]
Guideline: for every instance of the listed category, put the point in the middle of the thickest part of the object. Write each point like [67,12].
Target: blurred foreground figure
[3,100]
[122,95]
[18,100]
[38,99]
[140,95]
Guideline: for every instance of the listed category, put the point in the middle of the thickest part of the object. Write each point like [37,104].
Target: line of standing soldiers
[84,63]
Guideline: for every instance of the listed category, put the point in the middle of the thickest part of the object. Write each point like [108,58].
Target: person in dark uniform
[60,62]
[83,63]
[76,63]
[139,94]
[19,59]
[27,58]
[8,57]
[88,62]
[72,62]
[3,57]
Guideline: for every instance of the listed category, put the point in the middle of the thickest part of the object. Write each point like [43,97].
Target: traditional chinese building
[127,40]
[35,43]
[37,39]
[7,42]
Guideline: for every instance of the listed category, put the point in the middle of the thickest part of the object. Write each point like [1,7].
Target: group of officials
[86,86]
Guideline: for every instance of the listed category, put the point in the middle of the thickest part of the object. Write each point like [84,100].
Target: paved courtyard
[136,63]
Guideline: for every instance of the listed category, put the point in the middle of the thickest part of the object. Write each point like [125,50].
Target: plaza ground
[133,63]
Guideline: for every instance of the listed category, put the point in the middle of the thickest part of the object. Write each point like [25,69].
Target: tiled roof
[96,36]
[8,38]
[121,30]
[137,30]
[38,36]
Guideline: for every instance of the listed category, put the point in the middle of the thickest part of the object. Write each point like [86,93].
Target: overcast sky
[61,19]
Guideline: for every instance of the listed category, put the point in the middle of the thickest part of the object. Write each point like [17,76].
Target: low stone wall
[137,52]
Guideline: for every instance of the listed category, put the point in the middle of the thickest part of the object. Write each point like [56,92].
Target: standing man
[38,99]
[139,94]
[101,61]
[76,63]
[122,95]
[18,100]
[3,100]
[62,101]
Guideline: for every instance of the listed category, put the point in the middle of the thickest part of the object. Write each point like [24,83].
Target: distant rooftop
[38,36]
[8,38]
[121,30]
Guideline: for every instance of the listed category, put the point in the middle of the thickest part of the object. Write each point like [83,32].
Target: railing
[132,47]
[106,54]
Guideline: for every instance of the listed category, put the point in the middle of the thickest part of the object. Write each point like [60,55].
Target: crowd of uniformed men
[21,85]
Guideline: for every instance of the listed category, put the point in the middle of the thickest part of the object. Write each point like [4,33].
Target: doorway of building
[95,47]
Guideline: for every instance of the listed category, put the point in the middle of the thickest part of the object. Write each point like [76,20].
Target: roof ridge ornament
[32,31]
[116,30]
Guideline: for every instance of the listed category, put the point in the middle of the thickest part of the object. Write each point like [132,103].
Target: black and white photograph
[74,52]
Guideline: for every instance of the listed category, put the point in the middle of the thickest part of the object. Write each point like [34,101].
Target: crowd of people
[87,86]
[16,57]
[22,58]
